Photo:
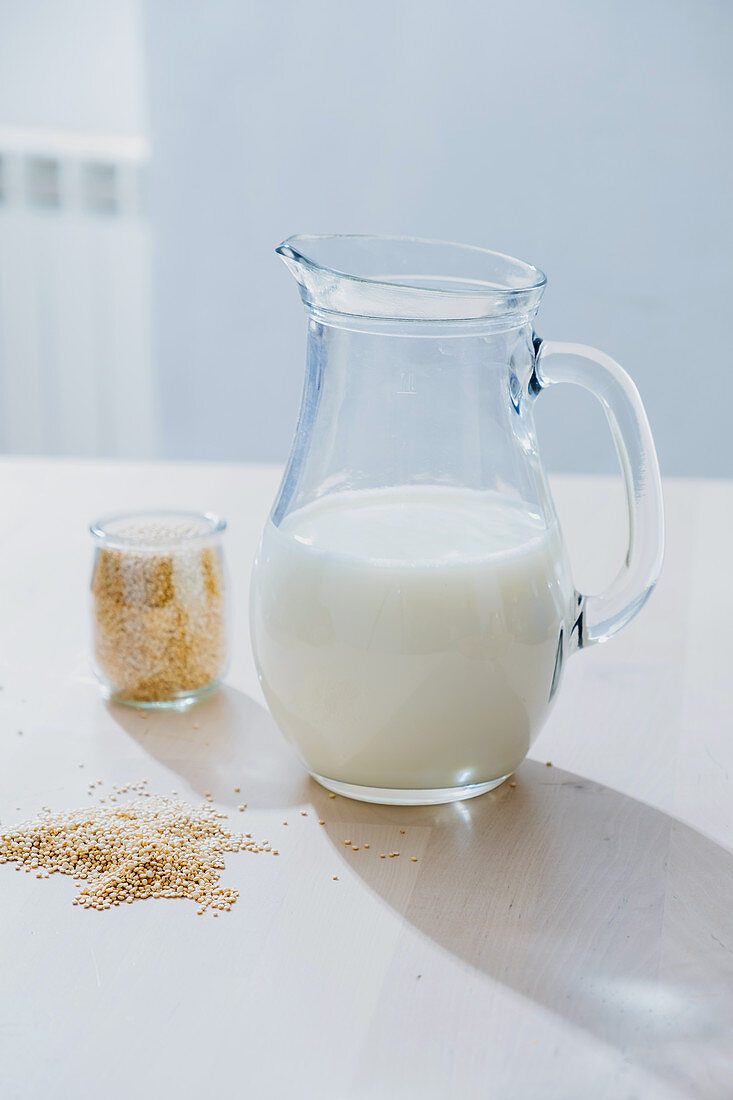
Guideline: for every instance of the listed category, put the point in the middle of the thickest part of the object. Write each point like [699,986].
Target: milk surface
[408,638]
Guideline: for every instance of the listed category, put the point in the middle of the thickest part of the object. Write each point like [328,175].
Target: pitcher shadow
[596,906]
[224,742]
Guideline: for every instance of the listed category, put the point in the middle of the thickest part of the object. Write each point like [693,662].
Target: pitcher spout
[291,258]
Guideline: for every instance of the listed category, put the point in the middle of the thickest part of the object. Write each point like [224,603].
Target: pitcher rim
[289,249]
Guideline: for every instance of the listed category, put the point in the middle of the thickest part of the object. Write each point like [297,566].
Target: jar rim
[175,528]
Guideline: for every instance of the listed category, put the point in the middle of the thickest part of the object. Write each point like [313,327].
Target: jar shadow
[225,741]
[598,907]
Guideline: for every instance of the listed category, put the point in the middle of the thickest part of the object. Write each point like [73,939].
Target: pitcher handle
[601,616]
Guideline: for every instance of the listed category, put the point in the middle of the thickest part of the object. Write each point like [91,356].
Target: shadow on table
[224,742]
[598,907]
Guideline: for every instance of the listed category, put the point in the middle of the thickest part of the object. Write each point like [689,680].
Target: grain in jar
[159,607]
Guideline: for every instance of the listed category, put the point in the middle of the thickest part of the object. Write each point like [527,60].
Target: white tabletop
[571,937]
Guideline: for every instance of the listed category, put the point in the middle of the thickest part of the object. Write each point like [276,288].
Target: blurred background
[154,152]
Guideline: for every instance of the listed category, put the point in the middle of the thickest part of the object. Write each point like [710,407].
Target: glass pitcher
[412,605]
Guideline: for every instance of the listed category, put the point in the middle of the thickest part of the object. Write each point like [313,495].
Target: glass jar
[159,607]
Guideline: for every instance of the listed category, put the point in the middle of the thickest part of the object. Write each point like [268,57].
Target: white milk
[407,638]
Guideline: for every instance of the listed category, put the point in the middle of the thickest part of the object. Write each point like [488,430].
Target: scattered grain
[140,849]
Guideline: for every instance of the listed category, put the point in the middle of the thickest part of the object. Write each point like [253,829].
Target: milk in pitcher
[411,637]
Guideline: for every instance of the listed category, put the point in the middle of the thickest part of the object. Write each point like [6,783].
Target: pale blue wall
[593,139]
[72,65]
